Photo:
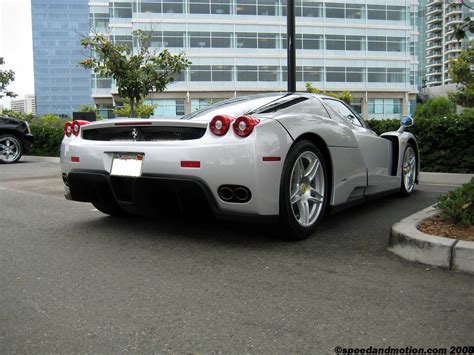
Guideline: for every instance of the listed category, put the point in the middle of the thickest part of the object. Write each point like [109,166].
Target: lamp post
[291,54]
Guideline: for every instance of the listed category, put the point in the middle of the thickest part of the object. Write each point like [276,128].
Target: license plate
[127,164]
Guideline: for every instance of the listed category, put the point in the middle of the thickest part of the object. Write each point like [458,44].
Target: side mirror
[406,121]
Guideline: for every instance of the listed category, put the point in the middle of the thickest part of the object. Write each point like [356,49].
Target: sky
[16,45]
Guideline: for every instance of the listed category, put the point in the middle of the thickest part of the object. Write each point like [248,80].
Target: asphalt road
[74,281]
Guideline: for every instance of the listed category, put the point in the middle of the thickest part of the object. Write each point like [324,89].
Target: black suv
[15,139]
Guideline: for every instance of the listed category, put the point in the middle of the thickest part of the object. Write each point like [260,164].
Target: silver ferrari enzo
[287,158]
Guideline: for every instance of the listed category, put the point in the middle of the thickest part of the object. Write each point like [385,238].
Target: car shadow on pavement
[359,227]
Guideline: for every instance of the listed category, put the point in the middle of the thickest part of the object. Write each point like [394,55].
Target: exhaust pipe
[241,194]
[226,193]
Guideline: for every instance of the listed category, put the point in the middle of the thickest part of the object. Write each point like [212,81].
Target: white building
[238,47]
[25,105]
[442,17]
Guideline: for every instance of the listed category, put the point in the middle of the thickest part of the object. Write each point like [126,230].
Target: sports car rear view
[285,158]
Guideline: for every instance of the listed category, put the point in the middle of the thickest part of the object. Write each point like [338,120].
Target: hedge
[446,144]
[48,134]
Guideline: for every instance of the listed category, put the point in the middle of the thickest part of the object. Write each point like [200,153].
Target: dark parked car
[15,139]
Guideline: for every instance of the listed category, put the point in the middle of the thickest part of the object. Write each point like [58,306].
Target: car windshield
[233,107]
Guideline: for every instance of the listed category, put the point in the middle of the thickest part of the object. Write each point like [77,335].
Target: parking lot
[75,280]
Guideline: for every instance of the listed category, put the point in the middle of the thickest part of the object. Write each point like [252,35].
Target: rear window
[280,104]
[233,107]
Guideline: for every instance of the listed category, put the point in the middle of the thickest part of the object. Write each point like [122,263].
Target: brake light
[68,129]
[244,125]
[76,126]
[220,124]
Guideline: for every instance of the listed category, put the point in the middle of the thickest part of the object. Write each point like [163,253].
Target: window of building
[200,73]
[200,39]
[312,74]
[376,12]
[222,73]
[354,75]
[311,41]
[355,43]
[396,13]
[335,10]
[354,11]
[221,40]
[384,108]
[167,107]
[396,44]
[120,10]
[268,7]
[173,39]
[356,105]
[335,42]
[198,104]
[246,40]
[199,7]
[267,40]
[268,73]
[395,75]
[246,73]
[221,7]
[153,6]
[377,75]
[308,9]
[377,43]
[99,21]
[335,74]
[246,7]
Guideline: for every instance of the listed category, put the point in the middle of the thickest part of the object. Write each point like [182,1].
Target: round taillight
[220,124]
[76,127]
[244,125]
[68,129]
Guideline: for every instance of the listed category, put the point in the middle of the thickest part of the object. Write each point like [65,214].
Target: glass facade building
[238,47]
[61,85]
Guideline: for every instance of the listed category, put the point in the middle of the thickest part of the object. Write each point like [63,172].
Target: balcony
[433,45]
[453,10]
[434,19]
[433,28]
[453,20]
[434,10]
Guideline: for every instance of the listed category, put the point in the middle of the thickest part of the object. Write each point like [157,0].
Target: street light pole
[291,54]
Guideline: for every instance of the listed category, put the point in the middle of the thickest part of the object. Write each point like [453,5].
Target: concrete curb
[409,243]
[444,178]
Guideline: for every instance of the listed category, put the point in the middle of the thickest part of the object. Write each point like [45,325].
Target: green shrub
[436,107]
[344,96]
[48,134]
[141,111]
[445,143]
[458,205]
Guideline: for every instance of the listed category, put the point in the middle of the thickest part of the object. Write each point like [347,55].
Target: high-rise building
[442,17]
[238,47]
[421,43]
[25,105]
[61,85]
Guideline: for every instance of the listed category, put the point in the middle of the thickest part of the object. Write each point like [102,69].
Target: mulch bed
[436,226]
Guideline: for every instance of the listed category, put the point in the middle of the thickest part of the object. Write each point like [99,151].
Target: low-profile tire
[111,208]
[11,148]
[303,191]
[409,165]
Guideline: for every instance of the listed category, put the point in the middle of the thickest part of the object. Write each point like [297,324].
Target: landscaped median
[451,222]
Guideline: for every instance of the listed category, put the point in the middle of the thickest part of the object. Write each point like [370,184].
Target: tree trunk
[132,108]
